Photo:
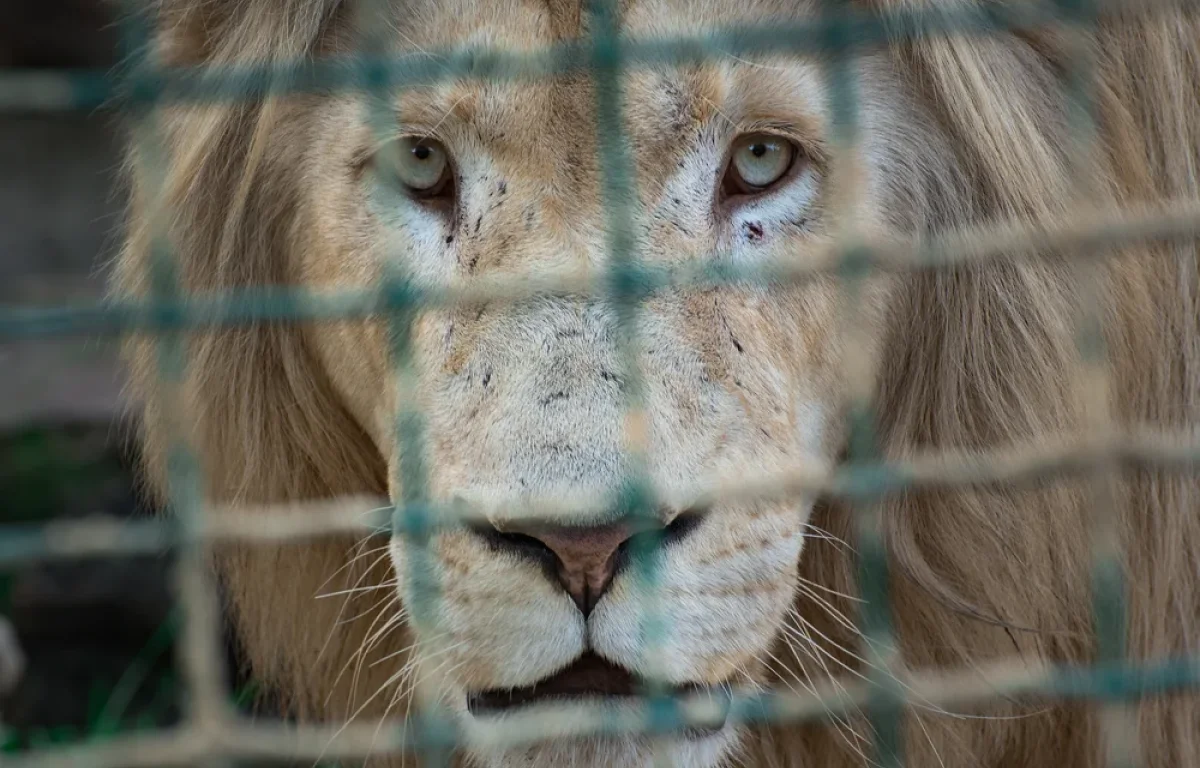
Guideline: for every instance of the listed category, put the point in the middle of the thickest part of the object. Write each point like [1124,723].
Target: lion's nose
[587,559]
[584,560]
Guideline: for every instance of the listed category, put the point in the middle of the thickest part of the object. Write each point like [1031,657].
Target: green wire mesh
[211,732]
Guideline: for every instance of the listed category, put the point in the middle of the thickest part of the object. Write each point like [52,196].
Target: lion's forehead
[546,129]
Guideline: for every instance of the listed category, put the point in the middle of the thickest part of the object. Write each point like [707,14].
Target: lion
[734,161]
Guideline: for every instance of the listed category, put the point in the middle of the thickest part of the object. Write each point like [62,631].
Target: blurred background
[59,212]
[94,636]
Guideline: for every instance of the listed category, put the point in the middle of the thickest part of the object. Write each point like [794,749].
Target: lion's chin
[708,751]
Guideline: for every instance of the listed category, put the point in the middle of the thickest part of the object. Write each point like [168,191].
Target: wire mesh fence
[211,731]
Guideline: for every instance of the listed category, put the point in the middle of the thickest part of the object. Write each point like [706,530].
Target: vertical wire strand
[413,515]
[1118,727]
[199,647]
[625,295]
[858,375]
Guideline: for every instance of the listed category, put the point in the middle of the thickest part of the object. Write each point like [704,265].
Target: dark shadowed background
[96,633]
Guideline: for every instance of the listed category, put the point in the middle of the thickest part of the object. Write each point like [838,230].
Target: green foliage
[46,469]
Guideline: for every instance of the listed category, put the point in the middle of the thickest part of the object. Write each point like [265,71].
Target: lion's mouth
[588,676]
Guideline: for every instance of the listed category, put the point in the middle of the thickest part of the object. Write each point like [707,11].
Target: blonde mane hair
[979,357]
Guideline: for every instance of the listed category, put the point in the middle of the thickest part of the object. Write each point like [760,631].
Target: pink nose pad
[587,559]
[584,559]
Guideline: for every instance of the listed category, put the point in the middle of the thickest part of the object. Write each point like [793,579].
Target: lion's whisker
[359,653]
[937,755]
[358,554]
[808,646]
[829,590]
[830,609]
[376,606]
[839,723]
[918,702]
[382,687]
[373,639]
[356,590]
[337,622]
[824,535]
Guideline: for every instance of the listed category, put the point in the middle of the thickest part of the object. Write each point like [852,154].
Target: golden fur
[956,131]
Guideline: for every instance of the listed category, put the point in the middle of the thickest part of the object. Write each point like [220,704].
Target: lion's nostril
[684,524]
[514,543]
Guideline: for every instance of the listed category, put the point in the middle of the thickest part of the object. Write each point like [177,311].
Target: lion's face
[482,180]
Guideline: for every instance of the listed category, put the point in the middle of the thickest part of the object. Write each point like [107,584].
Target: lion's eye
[423,166]
[757,162]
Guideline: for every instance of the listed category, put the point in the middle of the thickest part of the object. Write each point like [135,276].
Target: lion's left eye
[423,166]
[758,162]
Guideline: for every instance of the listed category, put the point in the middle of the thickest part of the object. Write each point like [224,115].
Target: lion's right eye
[758,162]
[423,166]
